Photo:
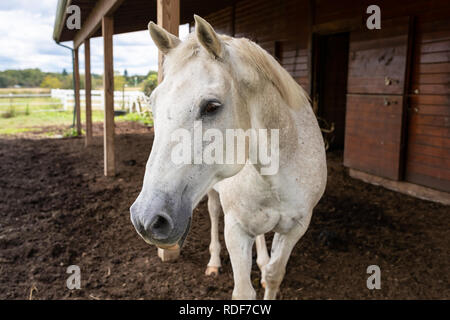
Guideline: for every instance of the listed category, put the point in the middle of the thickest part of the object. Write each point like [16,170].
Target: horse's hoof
[212,271]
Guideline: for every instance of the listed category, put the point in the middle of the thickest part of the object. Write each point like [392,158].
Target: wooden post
[168,17]
[88,87]
[77,92]
[108,85]
[168,13]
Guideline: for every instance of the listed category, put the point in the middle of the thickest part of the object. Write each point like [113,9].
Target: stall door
[375,99]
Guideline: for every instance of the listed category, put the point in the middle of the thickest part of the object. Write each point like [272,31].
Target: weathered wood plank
[94,21]
[437,100]
[108,83]
[427,145]
[168,16]
[77,91]
[88,87]
[409,188]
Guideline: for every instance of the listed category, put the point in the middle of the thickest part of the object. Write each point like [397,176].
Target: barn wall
[375,108]
[280,27]
[422,150]
[428,148]
[425,149]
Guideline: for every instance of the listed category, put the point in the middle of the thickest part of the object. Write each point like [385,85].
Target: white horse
[230,83]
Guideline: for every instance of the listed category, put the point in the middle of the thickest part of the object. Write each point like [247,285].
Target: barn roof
[129,15]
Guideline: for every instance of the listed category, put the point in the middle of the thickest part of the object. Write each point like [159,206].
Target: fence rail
[133,101]
[37,95]
[129,100]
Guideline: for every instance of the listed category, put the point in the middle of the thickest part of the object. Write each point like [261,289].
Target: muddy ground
[57,209]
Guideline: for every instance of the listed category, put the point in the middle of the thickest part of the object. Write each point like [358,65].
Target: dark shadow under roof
[132,15]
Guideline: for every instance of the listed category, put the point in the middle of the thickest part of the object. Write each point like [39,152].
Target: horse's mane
[257,58]
[268,68]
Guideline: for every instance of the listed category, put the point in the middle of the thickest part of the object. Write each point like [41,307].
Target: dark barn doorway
[330,83]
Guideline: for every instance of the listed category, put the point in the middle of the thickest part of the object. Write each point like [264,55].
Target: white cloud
[26,42]
[26,29]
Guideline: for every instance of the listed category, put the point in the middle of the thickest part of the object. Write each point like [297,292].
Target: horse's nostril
[160,226]
[159,223]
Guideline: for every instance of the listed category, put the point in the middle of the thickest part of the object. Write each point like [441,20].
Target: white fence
[125,100]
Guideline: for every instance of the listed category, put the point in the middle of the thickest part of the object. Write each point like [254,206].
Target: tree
[64,72]
[3,81]
[51,82]
[125,74]
[119,82]
[97,82]
[149,84]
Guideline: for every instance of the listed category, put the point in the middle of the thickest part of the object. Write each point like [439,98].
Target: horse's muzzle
[160,222]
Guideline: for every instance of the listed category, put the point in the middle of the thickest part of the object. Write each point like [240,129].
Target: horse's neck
[267,110]
[301,150]
[297,127]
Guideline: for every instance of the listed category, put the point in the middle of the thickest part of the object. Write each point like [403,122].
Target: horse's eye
[210,107]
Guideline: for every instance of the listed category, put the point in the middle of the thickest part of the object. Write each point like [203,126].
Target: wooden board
[108,83]
[88,87]
[168,13]
[375,100]
[373,134]
[377,56]
[428,144]
[77,91]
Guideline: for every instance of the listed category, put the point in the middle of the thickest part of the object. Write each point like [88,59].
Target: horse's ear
[164,40]
[207,37]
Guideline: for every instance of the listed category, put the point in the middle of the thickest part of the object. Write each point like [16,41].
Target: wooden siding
[373,134]
[285,37]
[428,149]
[375,101]
[284,28]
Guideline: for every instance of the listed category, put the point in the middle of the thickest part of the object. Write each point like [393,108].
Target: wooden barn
[387,91]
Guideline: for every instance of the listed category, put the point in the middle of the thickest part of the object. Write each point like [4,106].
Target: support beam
[168,17]
[94,20]
[108,85]
[88,87]
[77,91]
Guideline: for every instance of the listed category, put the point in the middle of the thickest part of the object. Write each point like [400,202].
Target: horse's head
[200,87]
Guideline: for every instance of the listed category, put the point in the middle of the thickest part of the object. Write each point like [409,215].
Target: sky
[26,41]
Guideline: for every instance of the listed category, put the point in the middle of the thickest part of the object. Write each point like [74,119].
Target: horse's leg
[262,257]
[239,244]
[282,246]
[214,209]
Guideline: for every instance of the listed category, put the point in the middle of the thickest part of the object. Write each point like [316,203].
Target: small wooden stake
[169,254]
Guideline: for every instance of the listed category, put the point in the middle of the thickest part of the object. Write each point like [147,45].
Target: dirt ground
[57,209]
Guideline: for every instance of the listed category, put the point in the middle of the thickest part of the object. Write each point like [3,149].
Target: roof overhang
[129,16]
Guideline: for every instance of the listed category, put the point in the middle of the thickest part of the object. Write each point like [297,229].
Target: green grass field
[37,114]
[35,121]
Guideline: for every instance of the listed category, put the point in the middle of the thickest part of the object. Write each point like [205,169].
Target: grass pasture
[24,91]
[44,116]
